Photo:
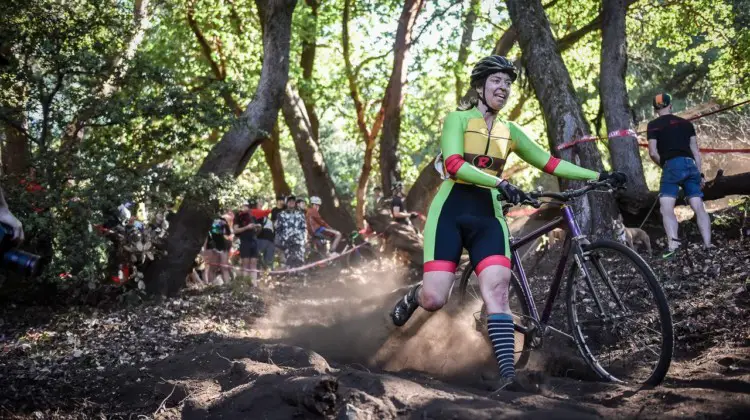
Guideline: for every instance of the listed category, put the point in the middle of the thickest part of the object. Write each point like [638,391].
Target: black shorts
[249,248]
[465,216]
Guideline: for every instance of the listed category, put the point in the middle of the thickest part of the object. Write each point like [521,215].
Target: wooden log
[317,394]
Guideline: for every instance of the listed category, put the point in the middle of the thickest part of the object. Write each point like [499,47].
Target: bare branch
[434,16]
[47,106]
[218,69]
[352,75]
[203,42]
[235,17]
[571,38]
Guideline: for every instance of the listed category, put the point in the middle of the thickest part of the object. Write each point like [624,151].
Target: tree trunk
[272,153]
[363,182]
[317,178]
[390,171]
[230,156]
[16,153]
[307,62]
[459,70]
[270,145]
[424,189]
[562,112]
[368,136]
[624,153]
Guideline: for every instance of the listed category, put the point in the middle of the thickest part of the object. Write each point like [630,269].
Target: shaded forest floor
[305,346]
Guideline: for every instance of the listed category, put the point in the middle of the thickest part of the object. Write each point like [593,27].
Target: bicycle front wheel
[619,315]
[470,296]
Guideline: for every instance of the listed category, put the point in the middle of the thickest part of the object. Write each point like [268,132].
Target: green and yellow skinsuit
[465,212]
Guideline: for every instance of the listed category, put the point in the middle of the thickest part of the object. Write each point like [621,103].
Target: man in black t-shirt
[398,208]
[246,227]
[280,206]
[266,236]
[672,144]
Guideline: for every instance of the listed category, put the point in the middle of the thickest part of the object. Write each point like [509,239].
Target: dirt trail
[327,349]
[322,346]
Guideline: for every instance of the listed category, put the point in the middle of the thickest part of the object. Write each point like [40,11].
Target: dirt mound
[278,381]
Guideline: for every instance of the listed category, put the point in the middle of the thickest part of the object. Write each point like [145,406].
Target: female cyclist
[465,214]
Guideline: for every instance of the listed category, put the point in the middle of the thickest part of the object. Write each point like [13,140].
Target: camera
[15,260]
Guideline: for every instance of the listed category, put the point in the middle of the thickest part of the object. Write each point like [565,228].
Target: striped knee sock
[500,328]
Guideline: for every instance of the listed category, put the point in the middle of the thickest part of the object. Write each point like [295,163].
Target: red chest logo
[482,161]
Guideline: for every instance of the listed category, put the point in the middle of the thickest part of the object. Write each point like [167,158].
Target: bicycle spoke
[616,314]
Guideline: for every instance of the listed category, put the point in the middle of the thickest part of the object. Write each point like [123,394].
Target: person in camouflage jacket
[291,229]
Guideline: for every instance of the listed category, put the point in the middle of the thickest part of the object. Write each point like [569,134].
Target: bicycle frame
[573,233]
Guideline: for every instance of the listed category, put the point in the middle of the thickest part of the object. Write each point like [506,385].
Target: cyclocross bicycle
[618,314]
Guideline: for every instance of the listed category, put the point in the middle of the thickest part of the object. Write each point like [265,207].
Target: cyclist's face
[497,89]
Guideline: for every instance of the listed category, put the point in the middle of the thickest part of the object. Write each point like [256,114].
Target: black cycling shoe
[405,307]
[526,382]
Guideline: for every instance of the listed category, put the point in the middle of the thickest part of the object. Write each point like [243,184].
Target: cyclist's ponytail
[469,103]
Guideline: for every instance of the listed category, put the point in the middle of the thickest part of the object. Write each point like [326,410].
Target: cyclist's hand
[512,194]
[413,215]
[614,178]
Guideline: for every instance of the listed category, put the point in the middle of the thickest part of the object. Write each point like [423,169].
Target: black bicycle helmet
[489,66]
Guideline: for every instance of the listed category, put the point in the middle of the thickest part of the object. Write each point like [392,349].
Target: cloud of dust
[350,324]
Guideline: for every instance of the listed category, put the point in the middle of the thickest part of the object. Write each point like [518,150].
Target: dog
[555,236]
[629,236]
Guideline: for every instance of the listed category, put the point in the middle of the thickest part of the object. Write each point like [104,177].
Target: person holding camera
[11,258]
[7,218]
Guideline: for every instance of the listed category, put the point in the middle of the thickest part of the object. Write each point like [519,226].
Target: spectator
[292,231]
[375,201]
[319,227]
[124,213]
[302,205]
[245,227]
[218,245]
[280,206]
[9,219]
[672,144]
[266,247]
[398,207]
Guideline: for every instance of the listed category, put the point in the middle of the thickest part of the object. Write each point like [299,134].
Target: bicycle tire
[520,303]
[625,357]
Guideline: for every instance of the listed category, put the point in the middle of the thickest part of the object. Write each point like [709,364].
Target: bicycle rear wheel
[619,315]
[469,296]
